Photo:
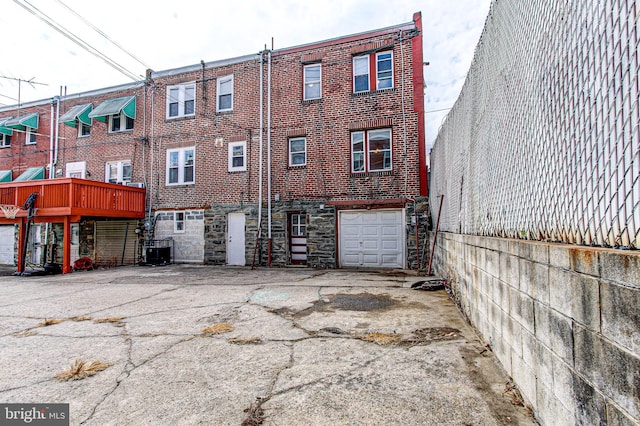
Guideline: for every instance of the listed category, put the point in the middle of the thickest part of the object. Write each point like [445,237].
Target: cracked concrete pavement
[307,347]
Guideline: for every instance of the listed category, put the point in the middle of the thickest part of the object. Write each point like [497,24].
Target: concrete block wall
[563,320]
[188,246]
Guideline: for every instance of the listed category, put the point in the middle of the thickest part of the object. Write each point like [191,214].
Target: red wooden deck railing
[75,197]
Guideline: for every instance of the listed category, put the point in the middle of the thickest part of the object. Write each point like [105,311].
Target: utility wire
[96,29]
[68,34]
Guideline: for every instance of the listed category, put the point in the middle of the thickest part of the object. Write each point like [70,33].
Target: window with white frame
[120,123]
[382,78]
[84,130]
[181,100]
[179,222]
[224,90]
[371,151]
[76,169]
[361,73]
[31,136]
[312,81]
[5,141]
[118,172]
[180,166]
[297,151]
[237,156]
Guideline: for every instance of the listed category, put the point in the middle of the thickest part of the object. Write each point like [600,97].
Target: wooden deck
[67,200]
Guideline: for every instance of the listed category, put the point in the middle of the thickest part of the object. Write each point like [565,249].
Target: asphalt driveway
[182,345]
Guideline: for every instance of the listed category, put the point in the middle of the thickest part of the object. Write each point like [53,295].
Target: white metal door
[235,239]
[372,238]
[34,249]
[7,244]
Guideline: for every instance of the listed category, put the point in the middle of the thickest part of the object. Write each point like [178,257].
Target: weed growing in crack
[255,413]
[220,328]
[80,318]
[81,369]
[109,319]
[48,322]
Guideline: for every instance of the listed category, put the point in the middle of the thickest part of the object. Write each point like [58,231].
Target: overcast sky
[165,34]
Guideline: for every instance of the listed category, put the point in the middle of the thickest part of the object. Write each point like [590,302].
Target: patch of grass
[383,339]
[245,340]
[220,328]
[108,319]
[49,321]
[80,318]
[81,369]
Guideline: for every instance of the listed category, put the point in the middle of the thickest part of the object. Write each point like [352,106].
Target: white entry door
[7,244]
[372,238]
[235,239]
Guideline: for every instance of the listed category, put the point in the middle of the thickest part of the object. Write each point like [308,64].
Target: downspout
[270,242]
[56,138]
[260,151]
[51,143]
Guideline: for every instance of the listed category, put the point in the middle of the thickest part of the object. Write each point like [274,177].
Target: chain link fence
[543,142]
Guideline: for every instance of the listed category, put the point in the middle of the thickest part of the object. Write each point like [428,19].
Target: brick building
[323,142]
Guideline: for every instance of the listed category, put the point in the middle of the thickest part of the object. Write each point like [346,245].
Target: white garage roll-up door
[7,244]
[372,238]
[110,242]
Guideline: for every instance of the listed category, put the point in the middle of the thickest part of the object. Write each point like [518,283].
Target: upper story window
[120,123]
[84,130]
[297,151]
[224,89]
[118,172]
[31,136]
[180,166]
[237,156]
[377,77]
[371,151]
[312,81]
[5,141]
[181,100]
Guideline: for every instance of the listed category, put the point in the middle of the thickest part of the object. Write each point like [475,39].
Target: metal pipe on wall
[269,243]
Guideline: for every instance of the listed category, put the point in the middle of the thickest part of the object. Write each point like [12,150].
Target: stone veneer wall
[563,320]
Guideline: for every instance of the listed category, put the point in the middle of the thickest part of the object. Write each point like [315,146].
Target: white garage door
[7,242]
[372,238]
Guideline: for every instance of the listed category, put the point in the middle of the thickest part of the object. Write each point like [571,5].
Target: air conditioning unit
[136,184]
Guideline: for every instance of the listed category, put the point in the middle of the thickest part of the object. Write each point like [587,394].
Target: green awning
[5,175]
[126,104]
[24,121]
[79,113]
[32,173]
[4,129]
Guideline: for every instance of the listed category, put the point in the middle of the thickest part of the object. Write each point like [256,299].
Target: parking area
[194,344]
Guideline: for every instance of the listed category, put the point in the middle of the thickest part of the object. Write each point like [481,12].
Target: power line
[96,29]
[68,34]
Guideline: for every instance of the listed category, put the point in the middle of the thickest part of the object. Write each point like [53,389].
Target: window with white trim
[118,172]
[297,152]
[76,169]
[181,166]
[224,90]
[312,81]
[120,123]
[382,77]
[5,141]
[84,130]
[181,100]
[179,222]
[31,136]
[237,156]
[371,151]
